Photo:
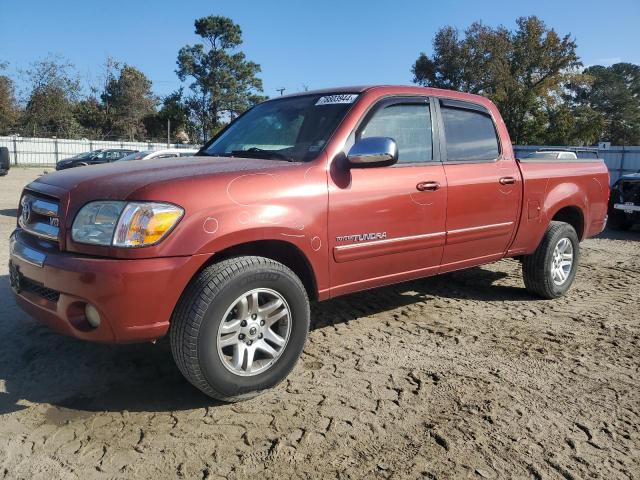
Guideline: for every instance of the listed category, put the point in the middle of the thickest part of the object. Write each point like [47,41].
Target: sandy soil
[464,375]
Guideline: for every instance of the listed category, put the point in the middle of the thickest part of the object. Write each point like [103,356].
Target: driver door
[387,224]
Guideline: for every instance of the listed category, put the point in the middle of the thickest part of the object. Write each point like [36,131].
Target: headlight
[122,224]
[96,222]
[145,223]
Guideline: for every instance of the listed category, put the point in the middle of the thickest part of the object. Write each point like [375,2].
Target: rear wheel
[550,270]
[240,327]
[4,161]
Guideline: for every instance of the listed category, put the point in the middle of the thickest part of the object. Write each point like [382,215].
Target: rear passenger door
[484,187]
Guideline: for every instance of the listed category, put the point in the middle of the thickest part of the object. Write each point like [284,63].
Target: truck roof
[321,91]
[403,89]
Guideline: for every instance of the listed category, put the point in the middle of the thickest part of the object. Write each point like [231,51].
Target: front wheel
[240,327]
[549,271]
[619,221]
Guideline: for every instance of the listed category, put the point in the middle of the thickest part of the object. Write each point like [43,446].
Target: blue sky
[317,44]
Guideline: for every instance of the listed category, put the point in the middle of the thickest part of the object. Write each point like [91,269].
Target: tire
[625,226]
[540,278]
[619,221]
[215,297]
[5,165]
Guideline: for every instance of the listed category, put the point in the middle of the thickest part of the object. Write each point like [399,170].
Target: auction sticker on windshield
[340,98]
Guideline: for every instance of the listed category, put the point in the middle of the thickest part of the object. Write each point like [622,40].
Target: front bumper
[135,298]
[627,207]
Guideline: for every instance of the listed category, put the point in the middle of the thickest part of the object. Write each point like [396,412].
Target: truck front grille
[631,192]
[39,216]
[39,290]
[24,284]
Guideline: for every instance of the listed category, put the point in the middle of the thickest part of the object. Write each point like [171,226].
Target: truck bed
[552,186]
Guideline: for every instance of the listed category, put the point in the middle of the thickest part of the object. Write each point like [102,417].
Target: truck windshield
[83,155]
[294,129]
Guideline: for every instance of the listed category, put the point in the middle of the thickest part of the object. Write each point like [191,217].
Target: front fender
[286,206]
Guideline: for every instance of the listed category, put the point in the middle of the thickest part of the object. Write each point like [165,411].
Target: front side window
[409,125]
[470,135]
[294,129]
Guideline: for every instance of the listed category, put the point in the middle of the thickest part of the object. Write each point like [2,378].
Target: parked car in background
[624,203]
[552,155]
[5,164]
[307,196]
[95,157]
[166,153]
[564,154]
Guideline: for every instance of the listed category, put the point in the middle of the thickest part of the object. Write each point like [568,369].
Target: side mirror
[373,152]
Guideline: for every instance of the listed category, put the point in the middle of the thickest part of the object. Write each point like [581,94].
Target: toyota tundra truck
[302,198]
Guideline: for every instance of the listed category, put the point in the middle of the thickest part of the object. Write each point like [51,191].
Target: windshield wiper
[204,153]
[255,152]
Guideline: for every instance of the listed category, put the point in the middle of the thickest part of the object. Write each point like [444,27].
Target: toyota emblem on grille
[26,211]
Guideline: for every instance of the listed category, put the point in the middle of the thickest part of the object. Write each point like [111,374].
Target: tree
[55,89]
[224,81]
[174,112]
[127,100]
[614,93]
[9,111]
[91,116]
[519,70]
[567,125]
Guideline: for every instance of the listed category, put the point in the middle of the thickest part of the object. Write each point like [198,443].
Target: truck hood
[118,180]
[631,176]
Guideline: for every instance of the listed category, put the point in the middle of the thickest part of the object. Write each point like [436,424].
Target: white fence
[47,151]
[619,160]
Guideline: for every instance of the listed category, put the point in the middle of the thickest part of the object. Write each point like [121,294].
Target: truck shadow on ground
[632,234]
[9,212]
[40,366]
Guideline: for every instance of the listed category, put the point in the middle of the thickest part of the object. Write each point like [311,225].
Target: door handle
[507,181]
[430,186]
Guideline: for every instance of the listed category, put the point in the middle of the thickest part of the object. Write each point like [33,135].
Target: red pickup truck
[301,198]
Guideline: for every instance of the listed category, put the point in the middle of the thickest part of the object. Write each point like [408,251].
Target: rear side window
[470,135]
[111,155]
[409,125]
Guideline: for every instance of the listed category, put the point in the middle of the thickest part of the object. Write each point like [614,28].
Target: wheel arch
[573,215]
[281,251]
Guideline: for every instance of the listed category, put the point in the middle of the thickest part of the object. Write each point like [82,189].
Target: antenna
[280,90]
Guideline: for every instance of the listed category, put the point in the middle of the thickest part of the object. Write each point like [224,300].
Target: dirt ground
[460,376]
